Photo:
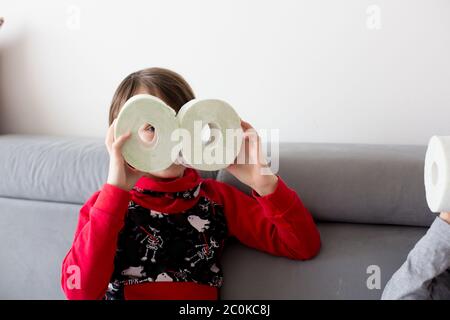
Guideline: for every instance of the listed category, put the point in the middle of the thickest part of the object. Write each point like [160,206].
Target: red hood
[167,196]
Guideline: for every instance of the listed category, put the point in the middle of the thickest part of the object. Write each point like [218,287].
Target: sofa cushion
[380,184]
[350,254]
[50,168]
[337,182]
[36,235]
[61,169]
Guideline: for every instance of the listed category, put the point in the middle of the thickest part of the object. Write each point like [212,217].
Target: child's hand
[445,216]
[120,173]
[250,163]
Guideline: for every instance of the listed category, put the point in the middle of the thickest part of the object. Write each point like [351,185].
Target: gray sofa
[368,201]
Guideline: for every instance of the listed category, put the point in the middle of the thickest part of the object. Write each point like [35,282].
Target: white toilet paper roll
[137,115]
[437,174]
[221,124]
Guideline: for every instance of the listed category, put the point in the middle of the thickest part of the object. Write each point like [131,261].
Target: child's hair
[162,83]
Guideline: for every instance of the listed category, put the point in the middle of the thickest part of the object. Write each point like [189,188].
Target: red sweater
[163,240]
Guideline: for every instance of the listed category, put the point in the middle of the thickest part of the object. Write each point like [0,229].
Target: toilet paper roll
[437,174]
[221,124]
[140,151]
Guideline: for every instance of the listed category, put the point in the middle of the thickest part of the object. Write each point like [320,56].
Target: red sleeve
[276,223]
[88,266]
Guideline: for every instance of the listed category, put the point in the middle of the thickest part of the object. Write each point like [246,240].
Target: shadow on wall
[15,59]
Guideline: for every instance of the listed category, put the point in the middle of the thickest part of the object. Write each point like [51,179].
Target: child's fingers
[110,136]
[118,144]
[251,136]
[252,144]
[248,129]
[245,125]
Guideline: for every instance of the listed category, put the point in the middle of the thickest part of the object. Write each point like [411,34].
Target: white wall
[315,69]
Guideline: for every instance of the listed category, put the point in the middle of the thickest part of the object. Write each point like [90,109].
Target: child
[161,235]
[425,275]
